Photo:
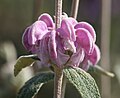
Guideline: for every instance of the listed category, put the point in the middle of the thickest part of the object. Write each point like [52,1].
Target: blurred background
[16,15]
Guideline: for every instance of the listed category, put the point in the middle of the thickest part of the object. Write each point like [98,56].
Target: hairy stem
[58,71]
[64,86]
[58,83]
[74,10]
[58,12]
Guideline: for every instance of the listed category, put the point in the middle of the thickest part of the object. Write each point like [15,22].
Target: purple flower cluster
[72,44]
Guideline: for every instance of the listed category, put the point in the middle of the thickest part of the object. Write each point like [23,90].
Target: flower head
[72,44]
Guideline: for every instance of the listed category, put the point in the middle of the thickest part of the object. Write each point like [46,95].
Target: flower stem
[58,83]
[64,86]
[58,12]
[74,10]
[58,71]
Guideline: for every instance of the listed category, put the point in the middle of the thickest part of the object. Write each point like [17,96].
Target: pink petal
[69,45]
[52,45]
[67,30]
[88,27]
[77,58]
[84,39]
[72,21]
[60,43]
[25,39]
[62,33]
[61,58]
[47,19]
[91,59]
[42,52]
[95,56]
[37,32]
[85,64]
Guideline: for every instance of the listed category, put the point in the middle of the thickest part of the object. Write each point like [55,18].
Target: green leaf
[83,82]
[22,62]
[32,86]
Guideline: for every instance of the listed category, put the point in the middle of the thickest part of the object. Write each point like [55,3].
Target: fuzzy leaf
[83,82]
[22,62]
[32,86]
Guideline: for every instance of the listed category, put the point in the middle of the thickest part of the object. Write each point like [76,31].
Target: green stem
[100,70]
[74,10]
